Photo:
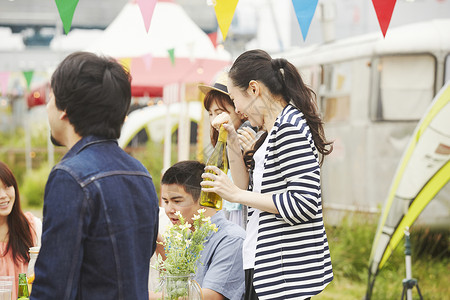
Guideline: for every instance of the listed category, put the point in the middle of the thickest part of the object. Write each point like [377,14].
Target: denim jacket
[99,226]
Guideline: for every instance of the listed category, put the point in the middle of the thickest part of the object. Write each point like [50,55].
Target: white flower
[181,243]
[185,226]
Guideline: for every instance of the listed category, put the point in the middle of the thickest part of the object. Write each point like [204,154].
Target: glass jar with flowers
[182,246]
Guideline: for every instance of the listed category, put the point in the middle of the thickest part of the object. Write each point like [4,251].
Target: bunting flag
[224,13]
[213,37]
[304,10]
[4,78]
[147,58]
[147,7]
[28,77]
[172,56]
[66,9]
[126,63]
[384,9]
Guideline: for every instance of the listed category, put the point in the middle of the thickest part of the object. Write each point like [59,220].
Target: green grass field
[350,245]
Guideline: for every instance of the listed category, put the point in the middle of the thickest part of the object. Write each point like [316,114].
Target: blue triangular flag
[304,10]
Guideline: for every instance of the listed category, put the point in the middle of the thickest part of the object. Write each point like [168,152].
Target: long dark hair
[20,235]
[282,79]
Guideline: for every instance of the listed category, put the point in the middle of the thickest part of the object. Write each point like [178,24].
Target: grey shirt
[220,267]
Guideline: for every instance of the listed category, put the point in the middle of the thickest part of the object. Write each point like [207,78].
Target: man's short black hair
[187,174]
[94,91]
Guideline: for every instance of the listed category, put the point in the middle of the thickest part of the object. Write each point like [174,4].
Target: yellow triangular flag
[224,14]
[125,62]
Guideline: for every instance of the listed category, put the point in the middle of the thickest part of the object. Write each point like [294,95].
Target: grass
[350,245]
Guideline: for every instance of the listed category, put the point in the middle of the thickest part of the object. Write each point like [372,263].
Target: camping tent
[423,171]
[196,59]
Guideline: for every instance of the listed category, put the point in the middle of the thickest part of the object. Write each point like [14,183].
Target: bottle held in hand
[219,159]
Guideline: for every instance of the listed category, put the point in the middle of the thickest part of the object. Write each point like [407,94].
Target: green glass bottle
[23,287]
[219,159]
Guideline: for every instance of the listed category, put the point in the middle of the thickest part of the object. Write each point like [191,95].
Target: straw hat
[220,85]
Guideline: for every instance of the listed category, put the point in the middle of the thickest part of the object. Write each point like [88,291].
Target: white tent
[170,28]
[196,59]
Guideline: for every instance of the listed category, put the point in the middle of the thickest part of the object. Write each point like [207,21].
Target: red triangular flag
[147,7]
[384,9]
[213,37]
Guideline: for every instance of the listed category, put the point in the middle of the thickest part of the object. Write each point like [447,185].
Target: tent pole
[409,282]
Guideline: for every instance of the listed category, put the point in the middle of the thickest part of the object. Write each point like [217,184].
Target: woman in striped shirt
[286,254]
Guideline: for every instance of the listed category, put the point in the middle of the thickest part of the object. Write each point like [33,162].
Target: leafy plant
[182,245]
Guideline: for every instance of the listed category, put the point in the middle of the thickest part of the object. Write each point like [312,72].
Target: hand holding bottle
[222,118]
[244,135]
[216,181]
[219,159]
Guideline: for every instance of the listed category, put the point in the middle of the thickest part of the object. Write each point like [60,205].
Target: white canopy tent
[196,60]
[170,28]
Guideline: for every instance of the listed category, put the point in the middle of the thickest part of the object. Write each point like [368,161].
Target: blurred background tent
[171,29]
[421,174]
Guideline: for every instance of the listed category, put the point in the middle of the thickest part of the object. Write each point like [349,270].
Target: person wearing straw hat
[217,101]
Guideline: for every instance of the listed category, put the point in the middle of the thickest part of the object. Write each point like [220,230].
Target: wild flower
[183,244]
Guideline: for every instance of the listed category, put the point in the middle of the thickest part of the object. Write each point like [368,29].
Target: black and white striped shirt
[292,255]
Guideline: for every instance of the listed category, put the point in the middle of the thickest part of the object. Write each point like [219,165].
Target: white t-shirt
[249,246]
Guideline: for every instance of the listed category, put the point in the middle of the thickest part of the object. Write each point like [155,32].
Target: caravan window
[406,86]
[335,92]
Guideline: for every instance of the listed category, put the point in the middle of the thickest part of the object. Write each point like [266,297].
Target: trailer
[372,92]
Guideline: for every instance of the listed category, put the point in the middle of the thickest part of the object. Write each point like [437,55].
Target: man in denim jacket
[100,205]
